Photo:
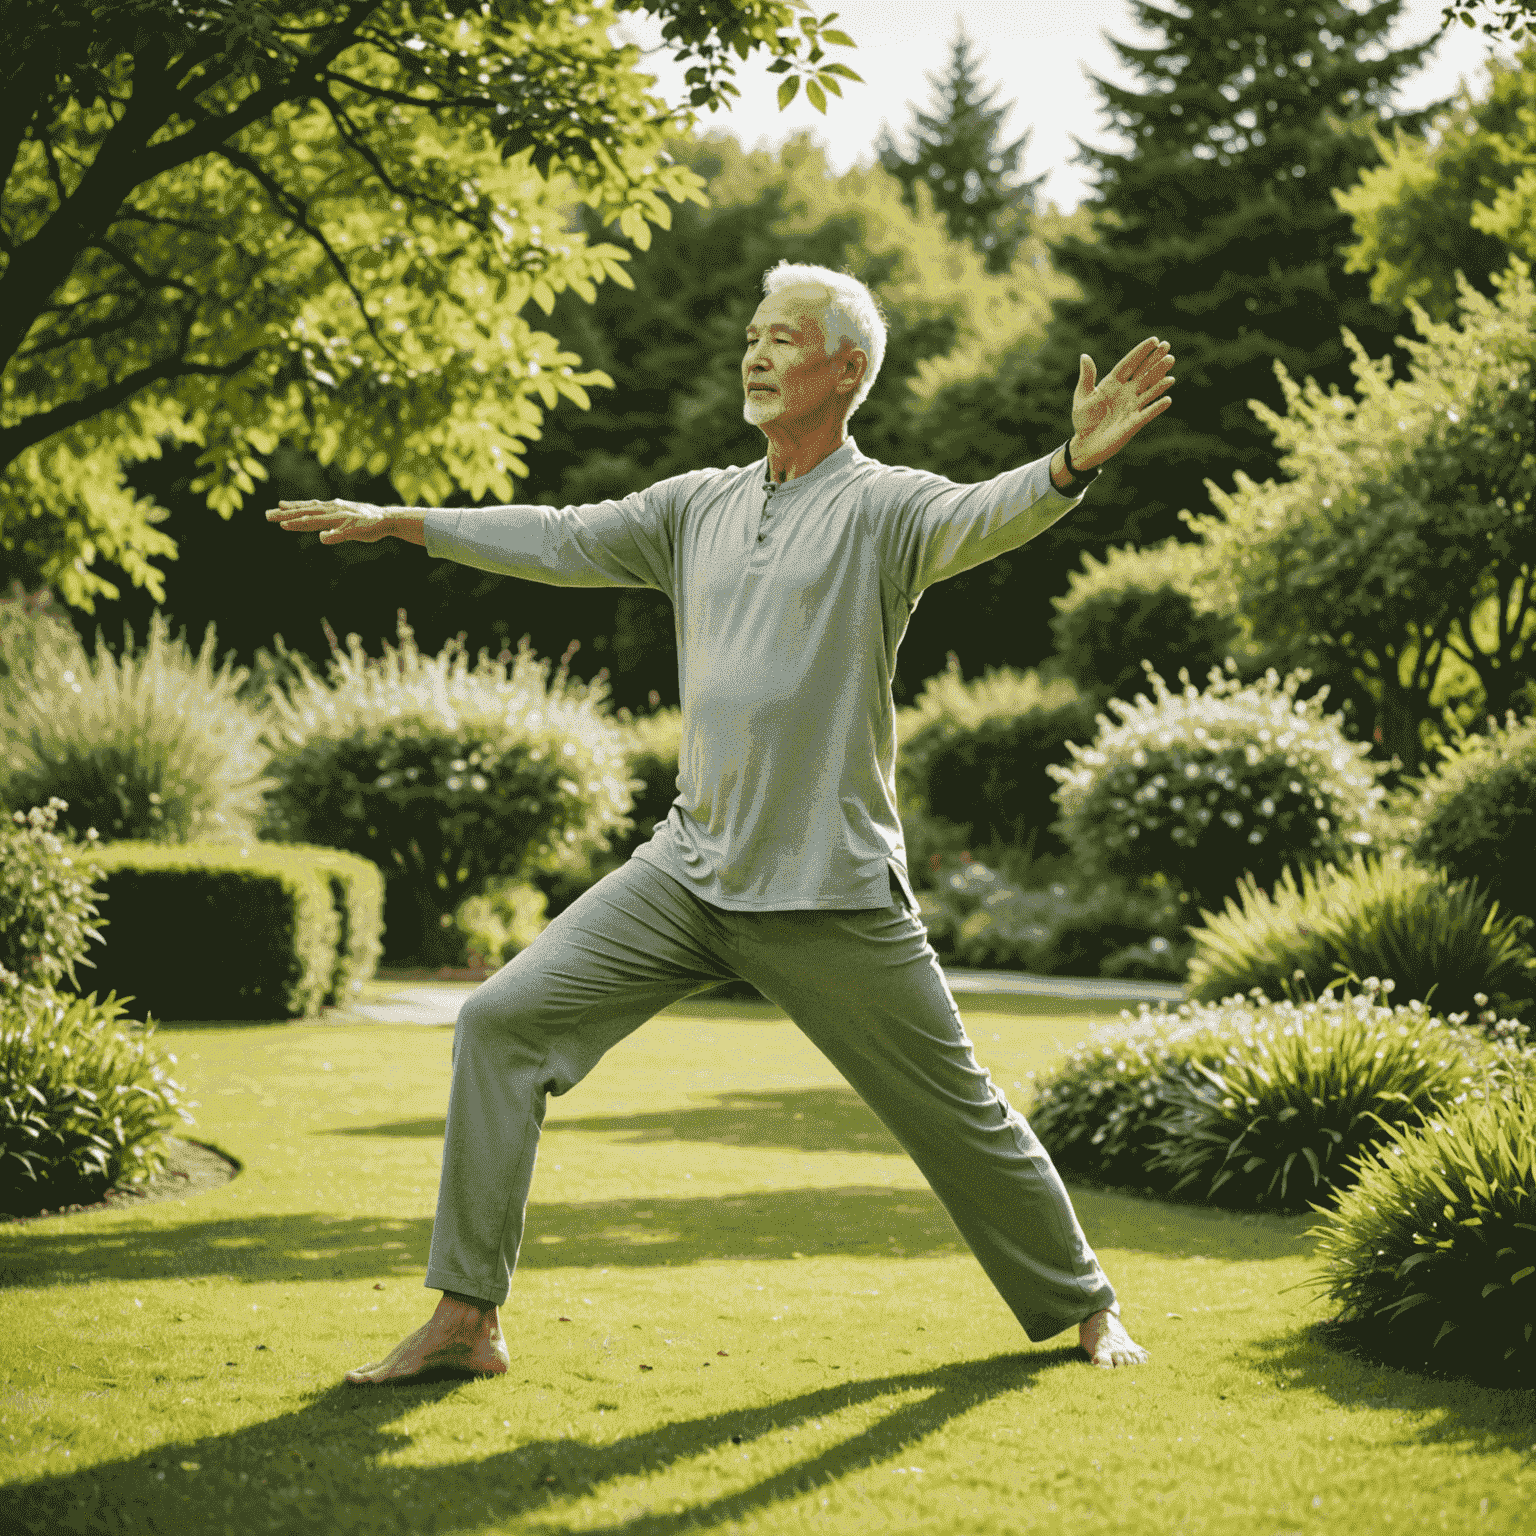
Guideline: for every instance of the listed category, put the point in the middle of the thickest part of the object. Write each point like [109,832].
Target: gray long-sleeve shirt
[789,601]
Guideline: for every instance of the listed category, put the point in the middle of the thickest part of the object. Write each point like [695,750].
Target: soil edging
[191,1168]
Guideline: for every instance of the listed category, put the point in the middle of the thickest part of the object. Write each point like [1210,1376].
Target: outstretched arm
[1106,415]
[358,521]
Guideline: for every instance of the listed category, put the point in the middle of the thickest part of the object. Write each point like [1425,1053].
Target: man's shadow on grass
[298,1473]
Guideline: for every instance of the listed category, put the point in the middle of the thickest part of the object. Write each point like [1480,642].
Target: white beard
[755,412]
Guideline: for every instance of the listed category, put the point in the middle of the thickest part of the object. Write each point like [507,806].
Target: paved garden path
[438,1002]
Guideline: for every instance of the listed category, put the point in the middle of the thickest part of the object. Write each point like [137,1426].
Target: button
[761,537]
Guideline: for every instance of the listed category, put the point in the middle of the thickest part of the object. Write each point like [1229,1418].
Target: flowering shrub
[85,1099]
[1196,788]
[446,775]
[975,916]
[152,744]
[1475,813]
[1431,1255]
[47,905]
[1440,942]
[1255,1103]
[33,633]
[502,921]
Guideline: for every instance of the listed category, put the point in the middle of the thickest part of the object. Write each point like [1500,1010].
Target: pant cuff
[481,1290]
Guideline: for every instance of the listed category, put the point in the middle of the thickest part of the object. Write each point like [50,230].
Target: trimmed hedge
[222,930]
[357,890]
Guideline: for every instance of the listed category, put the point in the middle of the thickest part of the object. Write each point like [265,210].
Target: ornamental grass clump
[85,1099]
[1440,941]
[1260,1105]
[1431,1255]
[1276,1119]
[446,774]
[151,744]
[1197,788]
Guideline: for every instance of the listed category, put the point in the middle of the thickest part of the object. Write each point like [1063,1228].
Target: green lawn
[712,1204]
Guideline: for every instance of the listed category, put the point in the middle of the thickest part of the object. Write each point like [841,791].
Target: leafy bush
[357,893]
[1138,605]
[973,755]
[975,916]
[150,744]
[219,930]
[502,921]
[47,905]
[1197,788]
[85,1099]
[1440,942]
[654,744]
[1275,1122]
[445,775]
[1431,1256]
[1254,1103]
[1475,812]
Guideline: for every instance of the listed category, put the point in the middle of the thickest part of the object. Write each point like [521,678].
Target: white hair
[851,313]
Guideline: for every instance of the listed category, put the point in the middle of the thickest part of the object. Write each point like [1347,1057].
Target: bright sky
[1040,51]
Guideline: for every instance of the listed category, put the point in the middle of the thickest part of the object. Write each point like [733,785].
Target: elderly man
[781,860]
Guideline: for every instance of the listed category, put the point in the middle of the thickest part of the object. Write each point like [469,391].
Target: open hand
[1107,416]
[336,521]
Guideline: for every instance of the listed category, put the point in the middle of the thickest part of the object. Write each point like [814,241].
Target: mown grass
[713,1204]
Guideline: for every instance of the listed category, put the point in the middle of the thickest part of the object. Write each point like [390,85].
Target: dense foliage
[1216,229]
[1439,941]
[48,911]
[1431,1256]
[445,774]
[1135,606]
[973,756]
[1398,556]
[225,225]
[1196,788]
[1254,1103]
[85,1099]
[151,743]
[1474,812]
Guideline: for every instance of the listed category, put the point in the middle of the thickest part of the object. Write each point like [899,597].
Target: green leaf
[838,38]
[815,95]
[788,91]
[1521,1274]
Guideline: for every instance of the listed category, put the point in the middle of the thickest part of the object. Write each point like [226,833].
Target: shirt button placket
[762,523]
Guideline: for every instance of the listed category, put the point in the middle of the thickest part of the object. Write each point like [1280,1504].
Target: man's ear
[858,362]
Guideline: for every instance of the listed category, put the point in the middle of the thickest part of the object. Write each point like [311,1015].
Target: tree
[1217,231]
[1513,17]
[1459,204]
[672,345]
[228,223]
[958,153]
[1398,556]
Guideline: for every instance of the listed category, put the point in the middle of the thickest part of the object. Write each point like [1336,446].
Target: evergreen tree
[958,154]
[1217,231]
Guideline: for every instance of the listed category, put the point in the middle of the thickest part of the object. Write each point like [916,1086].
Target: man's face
[785,372]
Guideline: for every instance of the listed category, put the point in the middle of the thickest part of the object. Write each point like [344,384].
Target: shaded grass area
[772,1327]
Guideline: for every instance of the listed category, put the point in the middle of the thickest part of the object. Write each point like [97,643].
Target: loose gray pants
[863,986]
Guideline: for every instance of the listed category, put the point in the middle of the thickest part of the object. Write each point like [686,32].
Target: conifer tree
[958,153]
[1216,230]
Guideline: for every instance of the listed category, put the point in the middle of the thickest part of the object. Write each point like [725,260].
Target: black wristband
[1087,476]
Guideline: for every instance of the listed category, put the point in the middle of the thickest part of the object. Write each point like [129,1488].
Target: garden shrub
[977,917]
[150,744]
[1135,606]
[445,775]
[1474,813]
[47,905]
[85,1099]
[1275,1122]
[33,633]
[973,755]
[1197,788]
[357,893]
[1431,1255]
[653,746]
[1439,941]
[218,930]
[1260,1104]
[502,921]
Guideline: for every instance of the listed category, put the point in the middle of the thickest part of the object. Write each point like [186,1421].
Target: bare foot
[463,1334]
[1106,1342]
